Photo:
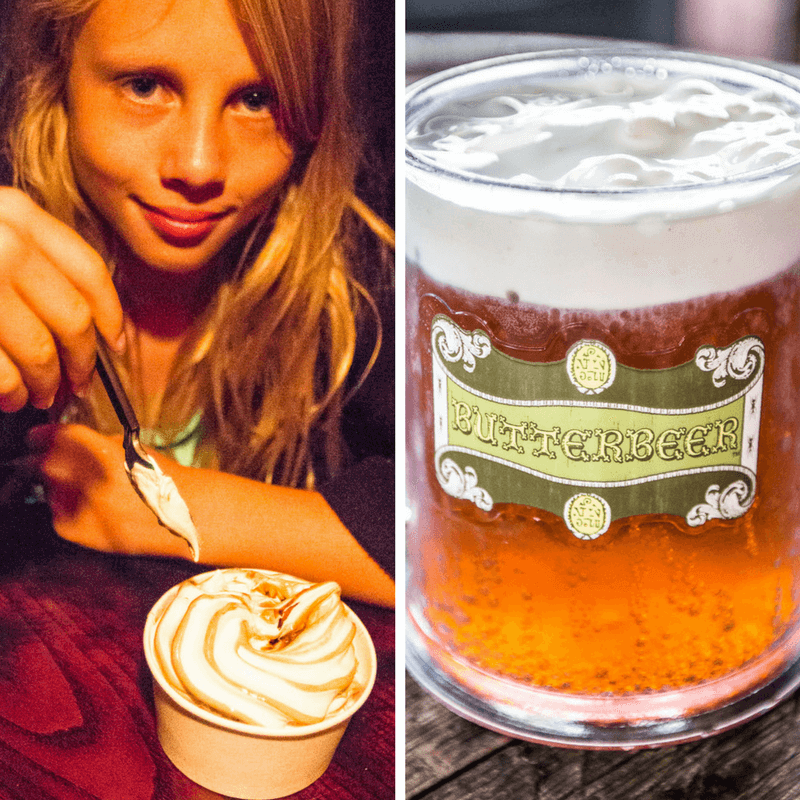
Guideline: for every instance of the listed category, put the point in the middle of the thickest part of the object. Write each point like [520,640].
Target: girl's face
[171,132]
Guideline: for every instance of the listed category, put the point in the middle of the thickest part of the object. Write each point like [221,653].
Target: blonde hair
[289,301]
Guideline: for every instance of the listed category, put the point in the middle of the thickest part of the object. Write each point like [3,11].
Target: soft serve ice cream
[259,647]
[161,496]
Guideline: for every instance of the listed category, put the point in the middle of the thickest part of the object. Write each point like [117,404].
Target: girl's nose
[194,163]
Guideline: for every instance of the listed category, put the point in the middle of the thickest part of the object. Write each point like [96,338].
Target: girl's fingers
[31,364]
[80,264]
[40,438]
[72,455]
[66,314]
[55,291]
[13,393]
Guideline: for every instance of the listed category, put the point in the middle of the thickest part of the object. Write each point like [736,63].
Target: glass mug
[602,421]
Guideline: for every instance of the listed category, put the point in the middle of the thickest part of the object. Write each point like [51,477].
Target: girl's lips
[181,226]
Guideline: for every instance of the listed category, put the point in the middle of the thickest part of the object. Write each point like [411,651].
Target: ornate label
[593,440]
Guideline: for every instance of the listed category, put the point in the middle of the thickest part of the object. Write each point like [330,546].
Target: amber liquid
[651,605]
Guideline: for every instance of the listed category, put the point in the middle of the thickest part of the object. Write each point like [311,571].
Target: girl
[184,175]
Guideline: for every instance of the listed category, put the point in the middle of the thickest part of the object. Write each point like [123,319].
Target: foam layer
[612,131]
[627,182]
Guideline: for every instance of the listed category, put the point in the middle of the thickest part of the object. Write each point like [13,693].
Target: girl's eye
[142,87]
[256,101]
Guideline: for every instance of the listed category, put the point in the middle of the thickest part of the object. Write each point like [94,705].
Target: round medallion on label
[591,367]
[587,515]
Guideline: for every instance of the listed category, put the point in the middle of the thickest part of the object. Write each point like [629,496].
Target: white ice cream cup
[241,760]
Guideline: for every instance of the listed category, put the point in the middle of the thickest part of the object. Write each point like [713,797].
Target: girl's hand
[91,499]
[242,523]
[54,290]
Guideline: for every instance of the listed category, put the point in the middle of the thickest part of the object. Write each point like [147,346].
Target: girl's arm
[240,522]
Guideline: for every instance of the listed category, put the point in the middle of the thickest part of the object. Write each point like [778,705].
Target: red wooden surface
[76,713]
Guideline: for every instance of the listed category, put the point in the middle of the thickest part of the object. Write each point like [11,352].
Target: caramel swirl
[259,647]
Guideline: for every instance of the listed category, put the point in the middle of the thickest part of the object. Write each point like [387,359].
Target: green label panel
[592,440]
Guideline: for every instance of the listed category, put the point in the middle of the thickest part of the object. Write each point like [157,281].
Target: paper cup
[242,760]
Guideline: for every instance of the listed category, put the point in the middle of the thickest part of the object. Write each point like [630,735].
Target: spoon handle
[117,395]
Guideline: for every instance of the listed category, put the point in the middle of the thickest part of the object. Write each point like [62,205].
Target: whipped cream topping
[613,131]
[161,496]
[603,181]
[259,647]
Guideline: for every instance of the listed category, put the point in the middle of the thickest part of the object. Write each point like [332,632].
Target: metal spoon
[134,453]
[157,490]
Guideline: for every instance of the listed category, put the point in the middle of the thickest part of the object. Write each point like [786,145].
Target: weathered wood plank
[450,759]
[439,743]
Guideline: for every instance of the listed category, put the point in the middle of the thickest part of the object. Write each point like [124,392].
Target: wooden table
[448,758]
[76,707]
